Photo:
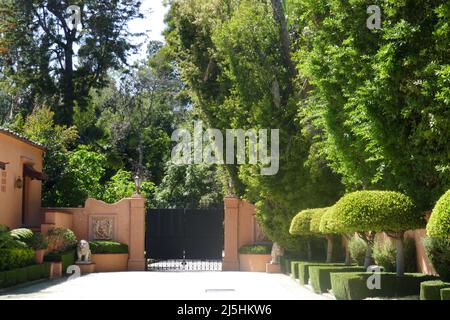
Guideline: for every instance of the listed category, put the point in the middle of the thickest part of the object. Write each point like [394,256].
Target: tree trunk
[66,115]
[280,19]
[368,259]
[329,248]
[400,256]
[348,258]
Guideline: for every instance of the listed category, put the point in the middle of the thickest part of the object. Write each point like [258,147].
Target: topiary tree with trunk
[307,223]
[327,225]
[369,212]
[301,226]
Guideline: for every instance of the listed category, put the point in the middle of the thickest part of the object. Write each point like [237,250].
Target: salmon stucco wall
[240,229]
[16,153]
[124,221]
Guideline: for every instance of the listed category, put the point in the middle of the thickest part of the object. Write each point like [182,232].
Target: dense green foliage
[380,97]
[15,258]
[22,234]
[438,251]
[439,223]
[431,290]
[376,211]
[107,247]
[320,276]
[353,285]
[316,219]
[301,224]
[232,60]
[256,249]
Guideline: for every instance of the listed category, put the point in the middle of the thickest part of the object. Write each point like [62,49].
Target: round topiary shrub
[300,225]
[438,251]
[439,223]
[368,212]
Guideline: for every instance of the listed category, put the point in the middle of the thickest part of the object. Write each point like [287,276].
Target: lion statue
[83,252]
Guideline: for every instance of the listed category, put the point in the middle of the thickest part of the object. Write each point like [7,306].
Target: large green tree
[381,97]
[235,58]
[42,57]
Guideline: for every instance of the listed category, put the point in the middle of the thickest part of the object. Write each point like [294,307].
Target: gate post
[136,260]
[231,245]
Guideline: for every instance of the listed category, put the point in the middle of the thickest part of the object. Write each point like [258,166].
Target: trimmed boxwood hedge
[294,269]
[431,290]
[321,276]
[255,249]
[108,247]
[22,275]
[303,269]
[445,294]
[353,286]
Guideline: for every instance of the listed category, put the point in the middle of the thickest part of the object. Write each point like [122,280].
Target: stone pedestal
[273,268]
[86,268]
[55,270]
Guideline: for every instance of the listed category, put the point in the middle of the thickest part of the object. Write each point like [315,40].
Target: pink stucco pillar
[136,260]
[231,245]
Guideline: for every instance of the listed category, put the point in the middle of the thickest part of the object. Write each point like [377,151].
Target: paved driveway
[168,286]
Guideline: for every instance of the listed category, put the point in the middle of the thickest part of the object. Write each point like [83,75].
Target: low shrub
[16,258]
[22,275]
[385,255]
[358,248]
[303,270]
[431,290]
[445,294]
[438,251]
[320,276]
[256,249]
[61,240]
[110,247]
[7,241]
[353,286]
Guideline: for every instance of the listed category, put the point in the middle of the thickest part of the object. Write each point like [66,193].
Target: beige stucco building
[21,178]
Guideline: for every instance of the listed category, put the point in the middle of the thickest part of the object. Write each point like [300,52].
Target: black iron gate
[184,239]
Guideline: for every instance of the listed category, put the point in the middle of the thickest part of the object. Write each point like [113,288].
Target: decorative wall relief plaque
[102,227]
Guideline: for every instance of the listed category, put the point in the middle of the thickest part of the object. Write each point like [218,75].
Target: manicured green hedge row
[67,258]
[108,247]
[445,294]
[303,269]
[294,269]
[353,286]
[15,258]
[21,275]
[249,249]
[431,290]
[321,276]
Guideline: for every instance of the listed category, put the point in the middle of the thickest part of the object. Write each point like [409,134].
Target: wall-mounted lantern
[3,165]
[19,183]
[138,183]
